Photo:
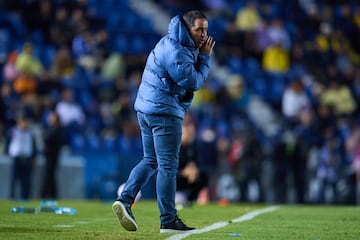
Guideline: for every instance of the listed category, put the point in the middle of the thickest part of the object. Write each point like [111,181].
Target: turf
[95,220]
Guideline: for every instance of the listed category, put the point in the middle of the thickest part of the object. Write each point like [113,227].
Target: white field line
[80,223]
[217,225]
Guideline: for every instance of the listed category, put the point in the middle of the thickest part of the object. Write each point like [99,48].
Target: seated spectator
[340,97]
[113,67]
[27,63]
[25,84]
[69,111]
[89,48]
[294,101]
[278,34]
[62,65]
[276,59]
[10,72]
[84,50]
[62,31]
[248,17]
[190,179]
[238,93]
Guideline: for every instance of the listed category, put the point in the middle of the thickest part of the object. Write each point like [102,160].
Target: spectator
[246,157]
[276,59]
[53,141]
[9,105]
[238,93]
[72,116]
[190,179]
[84,50]
[263,40]
[122,109]
[289,159]
[294,100]
[340,97]
[25,84]
[330,160]
[27,63]
[22,150]
[90,48]
[62,65]
[113,67]
[10,72]
[248,17]
[62,31]
[278,34]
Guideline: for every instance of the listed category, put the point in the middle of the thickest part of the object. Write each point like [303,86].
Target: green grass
[95,220]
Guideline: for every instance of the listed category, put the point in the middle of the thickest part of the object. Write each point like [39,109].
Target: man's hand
[207,46]
[190,172]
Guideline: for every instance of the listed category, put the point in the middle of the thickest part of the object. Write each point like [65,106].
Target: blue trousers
[161,138]
[22,172]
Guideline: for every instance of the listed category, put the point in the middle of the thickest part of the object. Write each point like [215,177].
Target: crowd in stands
[84,59]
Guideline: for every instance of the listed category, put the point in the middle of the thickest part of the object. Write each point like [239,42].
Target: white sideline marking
[63,226]
[217,225]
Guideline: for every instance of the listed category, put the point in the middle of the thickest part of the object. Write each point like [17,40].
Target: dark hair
[189,17]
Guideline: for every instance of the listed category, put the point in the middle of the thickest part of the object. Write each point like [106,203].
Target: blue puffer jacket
[173,71]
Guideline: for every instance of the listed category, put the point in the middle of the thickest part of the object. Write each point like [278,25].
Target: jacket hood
[178,31]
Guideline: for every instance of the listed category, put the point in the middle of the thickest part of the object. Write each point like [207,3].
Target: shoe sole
[175,231]
[124,218]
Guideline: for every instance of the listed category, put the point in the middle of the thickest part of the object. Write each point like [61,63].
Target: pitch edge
[217,225]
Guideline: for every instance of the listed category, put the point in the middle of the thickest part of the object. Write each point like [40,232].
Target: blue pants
[161,138]
[21,171]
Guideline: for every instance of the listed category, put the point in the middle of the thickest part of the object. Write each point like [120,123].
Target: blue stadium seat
[77,144]
[4,44]
[5,37]
[138,44]
[37,37]
[121,44]
[114,22]
[236,64]
[16,25]
[277,86]
[259,86]
[48,56]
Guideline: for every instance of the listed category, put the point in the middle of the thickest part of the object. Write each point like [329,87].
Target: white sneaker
[124,215]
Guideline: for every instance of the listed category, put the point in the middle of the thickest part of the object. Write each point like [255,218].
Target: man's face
[198,31]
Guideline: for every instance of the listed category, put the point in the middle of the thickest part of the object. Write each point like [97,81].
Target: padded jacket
[174,70]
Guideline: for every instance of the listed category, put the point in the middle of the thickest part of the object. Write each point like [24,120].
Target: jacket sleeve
[188,71]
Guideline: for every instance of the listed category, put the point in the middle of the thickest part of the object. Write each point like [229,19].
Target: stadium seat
[138,44]
[236,65]
[48,55]
[16,25]
[121,44]
[259,86]
[77,144]
[4,44]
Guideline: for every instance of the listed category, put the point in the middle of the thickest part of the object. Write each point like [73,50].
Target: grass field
[95,220]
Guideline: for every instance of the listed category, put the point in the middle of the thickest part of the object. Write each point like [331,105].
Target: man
[22,150]
[177,66]
[190,179]
[54,141]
